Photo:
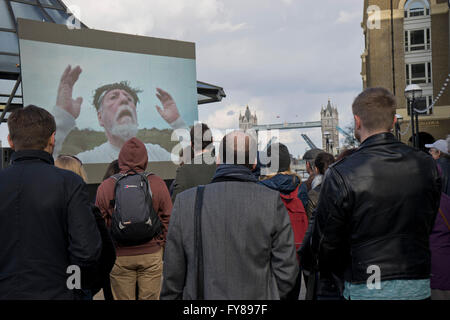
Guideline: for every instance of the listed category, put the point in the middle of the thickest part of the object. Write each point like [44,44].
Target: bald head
[238,147]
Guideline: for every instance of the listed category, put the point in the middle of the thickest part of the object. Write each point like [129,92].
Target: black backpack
[134,221]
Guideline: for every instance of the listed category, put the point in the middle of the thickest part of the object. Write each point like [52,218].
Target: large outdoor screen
[104,88]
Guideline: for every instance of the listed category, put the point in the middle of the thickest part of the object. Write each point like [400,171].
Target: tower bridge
[329,123]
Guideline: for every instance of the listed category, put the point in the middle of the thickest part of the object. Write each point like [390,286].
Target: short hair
[199,140]
[311,155]
[123,85]
[323,161]
[283,156]
[376,107]
[31,128]
[244,147]
[113,168]
[71,163]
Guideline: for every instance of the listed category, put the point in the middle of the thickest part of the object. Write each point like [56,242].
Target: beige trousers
[145,271]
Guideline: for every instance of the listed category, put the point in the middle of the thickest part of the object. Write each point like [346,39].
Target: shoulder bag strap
[198,242]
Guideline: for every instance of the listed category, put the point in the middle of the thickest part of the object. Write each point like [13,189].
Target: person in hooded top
[137,266]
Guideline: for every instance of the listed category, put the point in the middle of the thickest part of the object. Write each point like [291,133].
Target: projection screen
[104,87]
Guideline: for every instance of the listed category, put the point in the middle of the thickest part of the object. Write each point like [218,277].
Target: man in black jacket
[48,233]
[377,208]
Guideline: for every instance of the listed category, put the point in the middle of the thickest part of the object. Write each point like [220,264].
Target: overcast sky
[283,58]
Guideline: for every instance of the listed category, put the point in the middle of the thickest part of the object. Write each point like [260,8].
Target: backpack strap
[116,177]
[146,175]
[198,249]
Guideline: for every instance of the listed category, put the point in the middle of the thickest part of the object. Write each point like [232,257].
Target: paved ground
[99,296]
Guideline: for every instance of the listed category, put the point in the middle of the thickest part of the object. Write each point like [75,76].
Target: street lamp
[397,126]
[412,92]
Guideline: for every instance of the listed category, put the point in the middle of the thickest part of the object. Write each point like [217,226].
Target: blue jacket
[282,183]
[46,225]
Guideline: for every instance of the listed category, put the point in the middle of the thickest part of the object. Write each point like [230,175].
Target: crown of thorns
[123,85]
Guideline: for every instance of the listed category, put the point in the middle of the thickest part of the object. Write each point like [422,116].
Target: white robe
[106,152]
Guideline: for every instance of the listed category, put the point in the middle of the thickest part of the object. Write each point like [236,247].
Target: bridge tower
[329,117]
[248,120]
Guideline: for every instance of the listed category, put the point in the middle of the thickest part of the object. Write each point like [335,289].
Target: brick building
[407,42]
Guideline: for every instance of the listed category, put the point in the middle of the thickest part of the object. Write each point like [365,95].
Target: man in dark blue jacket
[48,233]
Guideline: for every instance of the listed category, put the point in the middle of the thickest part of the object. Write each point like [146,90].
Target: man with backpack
[136,206]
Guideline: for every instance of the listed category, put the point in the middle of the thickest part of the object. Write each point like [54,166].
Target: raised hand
[170,111]
[64,99]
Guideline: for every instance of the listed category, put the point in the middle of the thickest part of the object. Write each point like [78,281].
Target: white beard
[125,131]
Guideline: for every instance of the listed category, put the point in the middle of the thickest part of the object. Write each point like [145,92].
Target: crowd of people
[372,223]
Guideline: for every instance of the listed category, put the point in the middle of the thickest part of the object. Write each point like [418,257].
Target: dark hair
[376,108]
[283,155]
[31,128]
[123,85]
[346,153]
[444,155]
[197,140]
[246,151]
[323,161]
[311,155]
[113,168]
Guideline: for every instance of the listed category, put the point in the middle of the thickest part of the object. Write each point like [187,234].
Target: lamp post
[412,92]
[397,126]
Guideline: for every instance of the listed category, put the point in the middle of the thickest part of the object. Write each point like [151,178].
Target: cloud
[281,58]
[226,27]
[174,19]
[349,16]
[222,118]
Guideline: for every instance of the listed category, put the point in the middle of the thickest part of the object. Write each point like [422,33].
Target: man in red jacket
[137,265]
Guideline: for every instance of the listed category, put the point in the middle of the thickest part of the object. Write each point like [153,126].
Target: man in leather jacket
[377,208]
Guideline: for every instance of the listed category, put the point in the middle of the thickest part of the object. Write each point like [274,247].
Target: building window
[418,73]
[417,8]
[416,40]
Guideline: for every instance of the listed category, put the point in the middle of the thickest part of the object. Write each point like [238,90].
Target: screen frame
[98,39]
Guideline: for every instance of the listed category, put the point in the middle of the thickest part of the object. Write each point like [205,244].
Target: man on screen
[116,111]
